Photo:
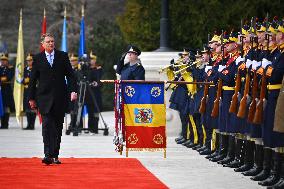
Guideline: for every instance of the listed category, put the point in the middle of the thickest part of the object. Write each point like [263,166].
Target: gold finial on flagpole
[65,12]
[83,12]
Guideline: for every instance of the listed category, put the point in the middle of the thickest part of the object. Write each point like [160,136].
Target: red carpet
[76,173]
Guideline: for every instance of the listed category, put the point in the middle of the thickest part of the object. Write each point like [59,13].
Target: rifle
[234,102]
[258,117]
[243,103]
[215,110]
[252,106]
[202,107]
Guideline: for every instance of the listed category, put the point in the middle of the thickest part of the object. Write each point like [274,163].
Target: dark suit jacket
[48,85]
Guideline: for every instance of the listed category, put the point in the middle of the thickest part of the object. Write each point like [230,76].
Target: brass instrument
[181,71]
[164,69]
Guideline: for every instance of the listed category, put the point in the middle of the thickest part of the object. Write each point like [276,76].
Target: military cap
[133,49]
[281,26]
[245,29]
[92,56]
[4,57]
[73,57]
[261,26]
[185,52]
[274,25]
[198,54]
[215,38]
[29,57]
[206,49]
[225,38]
[233,36]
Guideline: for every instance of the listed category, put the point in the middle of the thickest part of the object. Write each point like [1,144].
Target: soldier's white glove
[221,68]
[265,63]
[255,64]
[248,63]
[239,59]
[207,68]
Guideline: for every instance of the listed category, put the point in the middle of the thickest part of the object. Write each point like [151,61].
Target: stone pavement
[183,168]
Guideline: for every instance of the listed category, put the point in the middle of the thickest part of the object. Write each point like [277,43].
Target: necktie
[50,59]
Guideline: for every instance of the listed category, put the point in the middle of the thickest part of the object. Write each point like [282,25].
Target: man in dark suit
[48,93]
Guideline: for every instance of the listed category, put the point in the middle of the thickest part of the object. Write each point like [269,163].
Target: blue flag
[82,48]
[64,34]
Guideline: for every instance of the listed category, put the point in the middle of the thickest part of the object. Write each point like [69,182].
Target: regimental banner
[144,115]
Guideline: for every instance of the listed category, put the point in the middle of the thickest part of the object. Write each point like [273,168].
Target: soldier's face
[205,57]
[4,62]
[74,63]
[132,56]
[48,44]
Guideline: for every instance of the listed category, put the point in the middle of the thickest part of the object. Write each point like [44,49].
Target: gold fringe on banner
[194,129]
[146,149]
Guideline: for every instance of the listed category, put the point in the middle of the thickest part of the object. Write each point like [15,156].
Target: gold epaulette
[10,66]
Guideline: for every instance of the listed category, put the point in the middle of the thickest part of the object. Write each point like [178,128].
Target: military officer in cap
[93,98]
[133,69]
[31,114]
[6,75]
[72,104]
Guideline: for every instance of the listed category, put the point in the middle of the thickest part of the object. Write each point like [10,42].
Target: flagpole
[18,92]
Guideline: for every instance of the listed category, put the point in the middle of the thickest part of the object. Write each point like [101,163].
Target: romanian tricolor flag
[144,115]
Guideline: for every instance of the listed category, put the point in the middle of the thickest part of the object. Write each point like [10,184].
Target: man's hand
[32,104]
[73,96]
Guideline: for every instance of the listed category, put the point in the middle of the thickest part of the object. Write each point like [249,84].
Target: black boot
[223,149]
[5,121]
[265,173]
[216,150]
[231,151]
[278,185]
[248,159]
[258,162]
[275,172]
[239,155]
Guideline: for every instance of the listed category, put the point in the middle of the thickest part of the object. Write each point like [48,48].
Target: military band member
[31,114]
[6,75]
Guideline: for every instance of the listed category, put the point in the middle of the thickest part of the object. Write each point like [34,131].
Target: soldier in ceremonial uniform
[31,114]
[133,69]
[227,75]
[73,104]
[93,98]
[274,71]
[6,75]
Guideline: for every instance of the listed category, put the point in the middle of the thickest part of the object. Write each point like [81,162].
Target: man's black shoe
[253,172]
[187,142]
[179,138]
[244,168]
[201,149]
[278,185]
[197,147]
[234,164]
[181,141]
[56,161]
[191,145]
[264,174]
[205,152]
[47,160]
